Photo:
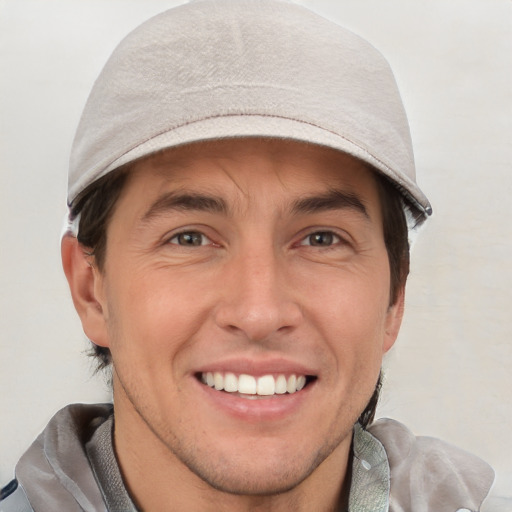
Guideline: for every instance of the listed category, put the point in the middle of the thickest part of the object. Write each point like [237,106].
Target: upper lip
[258,366]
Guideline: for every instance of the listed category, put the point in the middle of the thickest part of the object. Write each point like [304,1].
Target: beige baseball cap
[213,69]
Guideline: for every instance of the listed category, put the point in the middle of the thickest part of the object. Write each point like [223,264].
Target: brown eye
[190,239]
[321,239]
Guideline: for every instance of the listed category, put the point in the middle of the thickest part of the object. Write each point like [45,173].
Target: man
[240,188]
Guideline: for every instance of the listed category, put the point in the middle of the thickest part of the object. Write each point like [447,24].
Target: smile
[251,386]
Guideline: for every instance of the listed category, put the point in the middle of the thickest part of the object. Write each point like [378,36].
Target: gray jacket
[393,470]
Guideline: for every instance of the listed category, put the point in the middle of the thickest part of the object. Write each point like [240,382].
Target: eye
[321,239]
[190,239]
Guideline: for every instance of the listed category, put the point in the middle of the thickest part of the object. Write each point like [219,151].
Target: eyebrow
[332,200]
[184,202]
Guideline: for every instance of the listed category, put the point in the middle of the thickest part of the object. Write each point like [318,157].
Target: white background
[450,373]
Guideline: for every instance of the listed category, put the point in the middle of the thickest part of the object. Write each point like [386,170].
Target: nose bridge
[257,300]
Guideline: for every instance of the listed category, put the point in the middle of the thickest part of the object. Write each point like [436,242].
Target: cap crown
[237,68]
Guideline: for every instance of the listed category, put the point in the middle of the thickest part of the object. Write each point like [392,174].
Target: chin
[261,470]
[253,481]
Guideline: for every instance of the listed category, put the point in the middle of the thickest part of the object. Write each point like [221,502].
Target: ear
[86,283]
[394,317]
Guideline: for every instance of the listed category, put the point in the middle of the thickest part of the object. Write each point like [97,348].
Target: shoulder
[54,473]
[14,499]
[430,474]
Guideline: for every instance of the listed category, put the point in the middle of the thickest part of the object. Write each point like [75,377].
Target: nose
[258,297]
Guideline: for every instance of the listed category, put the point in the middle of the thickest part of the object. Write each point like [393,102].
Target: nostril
[258,311]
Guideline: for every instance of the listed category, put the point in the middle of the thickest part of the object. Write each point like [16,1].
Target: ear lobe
[85,282]
[394,317]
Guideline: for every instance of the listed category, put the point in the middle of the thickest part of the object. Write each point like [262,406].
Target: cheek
[152,317]
[349,308]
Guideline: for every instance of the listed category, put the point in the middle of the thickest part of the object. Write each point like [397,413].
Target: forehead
[250,165]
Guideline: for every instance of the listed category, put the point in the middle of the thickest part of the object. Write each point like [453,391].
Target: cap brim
[240,126]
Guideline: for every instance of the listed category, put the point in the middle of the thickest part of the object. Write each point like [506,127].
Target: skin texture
[279,283]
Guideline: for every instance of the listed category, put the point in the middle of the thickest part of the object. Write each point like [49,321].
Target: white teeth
[266,385]
[247,384]
[291,385]
[218,381]
[281,385]
[230,382]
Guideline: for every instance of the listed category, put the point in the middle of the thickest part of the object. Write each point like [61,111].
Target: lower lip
[266,408]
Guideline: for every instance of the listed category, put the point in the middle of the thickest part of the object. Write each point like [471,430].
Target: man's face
[246,263]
